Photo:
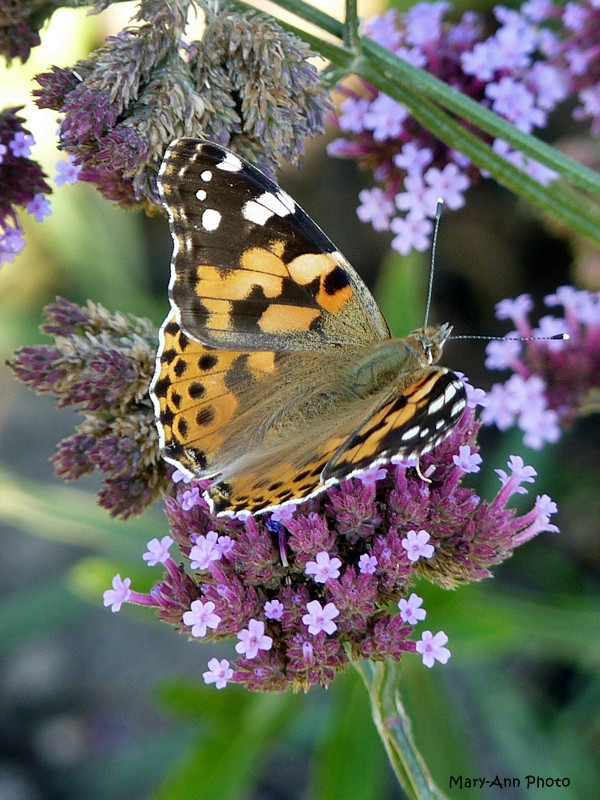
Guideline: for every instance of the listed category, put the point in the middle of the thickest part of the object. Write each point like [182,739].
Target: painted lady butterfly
[276,374]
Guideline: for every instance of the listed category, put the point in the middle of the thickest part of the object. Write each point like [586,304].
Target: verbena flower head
[22,184]
[553,382]
[101,364]
[247,85]
[301,591]
[20,24]
[570,34]
[504,72]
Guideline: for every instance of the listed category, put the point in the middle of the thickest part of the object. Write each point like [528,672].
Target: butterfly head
[430,341]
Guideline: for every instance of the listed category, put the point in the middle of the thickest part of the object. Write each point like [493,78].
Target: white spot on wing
[201,194]
[231,163]
[280,203]
[458,407]
[437,404]
[262,209]
[450,392]
[211,219]
[254,212]
[411,433]
[206,176]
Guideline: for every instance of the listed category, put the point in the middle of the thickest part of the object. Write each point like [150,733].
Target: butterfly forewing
[250,269]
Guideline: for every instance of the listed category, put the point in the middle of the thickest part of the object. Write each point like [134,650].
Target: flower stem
[393,725]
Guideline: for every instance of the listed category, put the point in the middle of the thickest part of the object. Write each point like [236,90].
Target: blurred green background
[95,706]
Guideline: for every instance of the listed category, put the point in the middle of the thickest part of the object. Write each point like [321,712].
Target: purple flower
[324,568]
[200,617]
[11,243]
[375,208]
[21,144]
[367,564]
[320,619]
[466,460]
[352,116]
[384,118]
[39,207]
[205,551]
[191,497]
[22,179]
[252,639]
[158,551]
[226,545]
[284,513]
[274,609]
[179,476]
[412,233]
[67,171]
[410,610]
[119,594]
[371,475]
[219,673]
[416,545]
[431,647]
[449,184]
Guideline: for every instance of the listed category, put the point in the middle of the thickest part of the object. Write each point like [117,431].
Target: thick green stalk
[394,727]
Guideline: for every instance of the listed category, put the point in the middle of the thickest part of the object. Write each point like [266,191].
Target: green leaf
[239,730]
[349,759]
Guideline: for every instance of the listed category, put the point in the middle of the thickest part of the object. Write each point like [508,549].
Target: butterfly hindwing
[408,424]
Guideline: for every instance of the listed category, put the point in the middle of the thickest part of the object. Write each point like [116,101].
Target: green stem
[350,28]
[394,727]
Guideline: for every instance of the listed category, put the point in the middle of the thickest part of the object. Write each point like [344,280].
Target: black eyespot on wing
[207,362]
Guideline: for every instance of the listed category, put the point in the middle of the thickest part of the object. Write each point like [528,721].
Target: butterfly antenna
[556,337]
[436,226]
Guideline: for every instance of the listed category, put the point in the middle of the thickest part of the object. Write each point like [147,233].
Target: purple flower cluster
[570,42]
[305,590]
[553,381]
[102,364]
[514,72]
[247,85]
[22,183]
[20,24]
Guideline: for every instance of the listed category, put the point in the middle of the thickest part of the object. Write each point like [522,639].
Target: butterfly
[276,372]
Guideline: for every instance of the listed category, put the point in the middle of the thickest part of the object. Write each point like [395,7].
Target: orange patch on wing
[257,259]
[334,302]
[236,284]
[219,314]
[261,361]
[305,268]
[280,318]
